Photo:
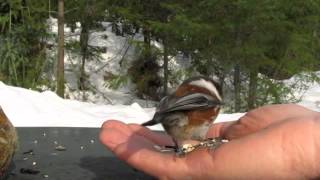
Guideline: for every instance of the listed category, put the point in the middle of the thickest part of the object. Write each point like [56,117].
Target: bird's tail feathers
[150,123]
[155,120]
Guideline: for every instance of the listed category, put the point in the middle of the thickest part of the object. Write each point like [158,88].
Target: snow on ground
[311,98]
[27,108]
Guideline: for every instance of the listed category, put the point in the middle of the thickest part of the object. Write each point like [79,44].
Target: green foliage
[22,50]
[144,73]
[9,62]
[152,19]
[116,81]
[93,53]
[274,39]
[289,91]
[277,39]
[88,12]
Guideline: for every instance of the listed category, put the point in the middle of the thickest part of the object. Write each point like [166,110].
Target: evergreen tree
[23,34]
[90,14]
[267,37]
[151,18]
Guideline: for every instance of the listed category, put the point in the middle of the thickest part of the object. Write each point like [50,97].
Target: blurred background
[126,51]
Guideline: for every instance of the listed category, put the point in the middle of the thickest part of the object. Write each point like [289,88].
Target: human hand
[271,142]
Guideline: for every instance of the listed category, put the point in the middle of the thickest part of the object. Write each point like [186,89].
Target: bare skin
[271,142]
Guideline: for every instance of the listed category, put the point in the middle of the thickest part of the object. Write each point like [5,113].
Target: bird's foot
[213,143]
[210,143]
[173,149]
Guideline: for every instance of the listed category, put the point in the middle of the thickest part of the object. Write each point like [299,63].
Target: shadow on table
[110,168]
[84,157]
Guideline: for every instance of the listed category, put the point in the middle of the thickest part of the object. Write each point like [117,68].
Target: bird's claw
[213,143]
[210,143]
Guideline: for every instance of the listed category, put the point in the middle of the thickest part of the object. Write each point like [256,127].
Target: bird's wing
[169,104]
[188,102]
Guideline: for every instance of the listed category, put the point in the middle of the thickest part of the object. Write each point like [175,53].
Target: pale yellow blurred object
[8,142]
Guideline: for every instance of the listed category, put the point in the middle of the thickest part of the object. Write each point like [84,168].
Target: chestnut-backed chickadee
[189,111]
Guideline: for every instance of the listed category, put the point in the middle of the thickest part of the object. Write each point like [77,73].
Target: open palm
[272,142]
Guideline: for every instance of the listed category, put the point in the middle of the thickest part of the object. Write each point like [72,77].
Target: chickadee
[188,113]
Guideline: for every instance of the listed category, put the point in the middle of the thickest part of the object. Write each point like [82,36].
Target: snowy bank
[27,108]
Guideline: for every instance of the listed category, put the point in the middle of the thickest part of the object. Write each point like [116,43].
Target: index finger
[219,129]
[258,119]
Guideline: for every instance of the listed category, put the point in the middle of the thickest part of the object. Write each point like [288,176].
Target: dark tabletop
[66,154]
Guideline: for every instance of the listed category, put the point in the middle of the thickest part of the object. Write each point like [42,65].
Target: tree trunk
[165,68]
[252,95]
[147,41]
[237,88]
[60,65]
[237,72]
[84,38]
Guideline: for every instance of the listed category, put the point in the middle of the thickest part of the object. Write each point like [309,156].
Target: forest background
[252,48]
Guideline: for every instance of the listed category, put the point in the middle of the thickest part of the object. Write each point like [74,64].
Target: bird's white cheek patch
[207,85]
